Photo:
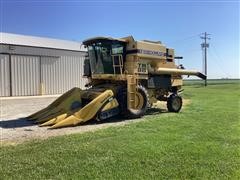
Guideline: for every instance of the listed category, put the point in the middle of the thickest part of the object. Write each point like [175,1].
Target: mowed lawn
[202,141]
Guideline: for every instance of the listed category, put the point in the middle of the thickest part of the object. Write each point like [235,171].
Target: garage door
[25,73]
[4,75]
[59,74]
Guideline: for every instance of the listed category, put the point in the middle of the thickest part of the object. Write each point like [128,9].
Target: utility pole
[204,46]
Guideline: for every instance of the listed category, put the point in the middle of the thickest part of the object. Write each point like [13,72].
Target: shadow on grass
[24,122]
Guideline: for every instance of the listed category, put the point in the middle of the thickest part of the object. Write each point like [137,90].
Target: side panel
[161,81]
[25,73]
[59,74]
[4,75]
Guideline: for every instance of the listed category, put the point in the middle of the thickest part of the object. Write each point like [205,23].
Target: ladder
[131,91]
[132,82]
[119,63]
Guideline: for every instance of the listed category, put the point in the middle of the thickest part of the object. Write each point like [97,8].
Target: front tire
[174,103]
[143,104]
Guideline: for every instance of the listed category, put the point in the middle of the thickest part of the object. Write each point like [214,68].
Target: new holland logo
[142,51]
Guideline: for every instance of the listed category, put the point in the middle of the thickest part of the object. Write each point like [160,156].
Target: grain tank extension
[125,77]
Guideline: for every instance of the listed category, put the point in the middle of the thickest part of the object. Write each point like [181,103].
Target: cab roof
[95,39]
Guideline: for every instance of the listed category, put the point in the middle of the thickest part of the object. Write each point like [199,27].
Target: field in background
[188,82]
[202,141]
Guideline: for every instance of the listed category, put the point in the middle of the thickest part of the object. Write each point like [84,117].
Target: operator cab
[105,56]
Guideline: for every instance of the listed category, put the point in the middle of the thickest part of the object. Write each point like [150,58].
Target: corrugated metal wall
[4,75]
[26,71]
[25,75]
[59,74]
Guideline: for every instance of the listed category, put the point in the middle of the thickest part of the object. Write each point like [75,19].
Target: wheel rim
[176,103]
[139,101]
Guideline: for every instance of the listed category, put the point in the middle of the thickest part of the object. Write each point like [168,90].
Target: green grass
[201,142]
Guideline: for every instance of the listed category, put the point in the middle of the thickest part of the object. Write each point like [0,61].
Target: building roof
[33,41]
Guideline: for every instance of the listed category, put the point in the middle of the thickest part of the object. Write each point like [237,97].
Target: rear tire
[174,103]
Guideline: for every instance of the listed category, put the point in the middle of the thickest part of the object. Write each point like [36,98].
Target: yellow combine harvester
[125,77]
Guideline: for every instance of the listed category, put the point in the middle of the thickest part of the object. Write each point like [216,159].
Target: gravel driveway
[15,128]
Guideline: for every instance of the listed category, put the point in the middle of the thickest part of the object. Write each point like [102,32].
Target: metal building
[39,66]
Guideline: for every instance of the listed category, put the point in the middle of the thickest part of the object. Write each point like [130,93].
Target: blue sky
[176,23]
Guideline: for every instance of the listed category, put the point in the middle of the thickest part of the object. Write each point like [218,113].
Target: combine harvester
[125,77]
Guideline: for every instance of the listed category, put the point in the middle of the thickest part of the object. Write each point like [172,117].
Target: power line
[218,58]
[184,39]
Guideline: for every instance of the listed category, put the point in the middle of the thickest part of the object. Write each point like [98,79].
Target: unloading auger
[125,77]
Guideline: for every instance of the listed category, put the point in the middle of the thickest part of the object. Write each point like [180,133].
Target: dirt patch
[15,130]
